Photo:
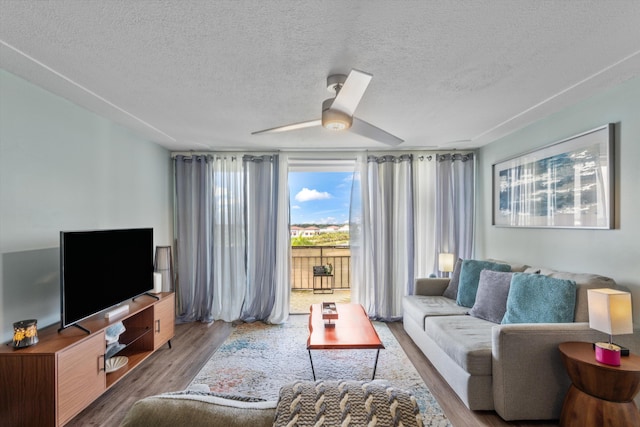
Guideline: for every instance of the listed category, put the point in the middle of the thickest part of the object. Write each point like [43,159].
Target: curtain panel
[405,210]
[232,238]
[261,200]
[455,199]
[424,213]
[382,234]
[211,240]
[192,227]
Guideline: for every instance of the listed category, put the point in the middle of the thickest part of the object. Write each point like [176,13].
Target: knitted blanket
[346,403]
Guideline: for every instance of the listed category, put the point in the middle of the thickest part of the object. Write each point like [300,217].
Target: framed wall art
[567,184]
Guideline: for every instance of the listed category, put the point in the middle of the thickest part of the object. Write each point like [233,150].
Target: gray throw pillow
[491,298]
[452,288]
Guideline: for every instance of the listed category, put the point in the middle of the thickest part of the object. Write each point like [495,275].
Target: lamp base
[609,354]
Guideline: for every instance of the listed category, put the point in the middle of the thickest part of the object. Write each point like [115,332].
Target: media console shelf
[50,382]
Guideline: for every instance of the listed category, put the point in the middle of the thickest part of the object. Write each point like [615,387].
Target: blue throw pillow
[535,298]
[470,276]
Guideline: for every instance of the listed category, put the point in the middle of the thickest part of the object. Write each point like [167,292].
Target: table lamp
[445,262]
[609,312]
[164,265]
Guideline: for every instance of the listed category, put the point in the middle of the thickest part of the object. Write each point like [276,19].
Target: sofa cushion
[418,307]
[469,277]
[491,298]
[338,403]
[465,339]
[535,298]
[452,287]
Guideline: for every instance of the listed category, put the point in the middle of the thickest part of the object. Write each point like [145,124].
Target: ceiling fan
[337,112]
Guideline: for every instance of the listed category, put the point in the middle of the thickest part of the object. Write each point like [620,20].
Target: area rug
[257,359]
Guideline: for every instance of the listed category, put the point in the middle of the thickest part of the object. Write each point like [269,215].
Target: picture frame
[566,184]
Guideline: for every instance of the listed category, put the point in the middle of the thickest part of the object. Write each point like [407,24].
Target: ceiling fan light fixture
[338,112]
[333,119]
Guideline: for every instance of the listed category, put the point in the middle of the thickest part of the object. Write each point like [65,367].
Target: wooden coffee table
[352,330]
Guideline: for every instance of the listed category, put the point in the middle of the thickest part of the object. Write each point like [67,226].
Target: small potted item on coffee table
[329,311]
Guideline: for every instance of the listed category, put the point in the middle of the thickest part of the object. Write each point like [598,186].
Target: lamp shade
[610,311]
[164,265]
[445,262]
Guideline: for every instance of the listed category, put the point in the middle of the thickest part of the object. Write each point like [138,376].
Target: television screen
[103,268]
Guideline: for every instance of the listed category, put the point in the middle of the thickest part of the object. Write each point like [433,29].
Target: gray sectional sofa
[514,369]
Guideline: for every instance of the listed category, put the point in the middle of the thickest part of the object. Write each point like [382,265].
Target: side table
[600,395]
[321,289]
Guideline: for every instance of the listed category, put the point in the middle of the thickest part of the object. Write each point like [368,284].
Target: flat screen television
[102,268]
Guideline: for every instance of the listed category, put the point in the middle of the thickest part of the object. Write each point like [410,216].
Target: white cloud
[306,195]
[327,220]
[295,207]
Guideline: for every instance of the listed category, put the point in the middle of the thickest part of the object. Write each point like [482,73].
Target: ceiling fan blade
[351,93]
[370,131]
[292,126]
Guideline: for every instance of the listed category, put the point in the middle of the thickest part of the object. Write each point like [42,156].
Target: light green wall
[65,168]
[614,253]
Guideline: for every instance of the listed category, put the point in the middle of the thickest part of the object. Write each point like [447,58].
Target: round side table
[600,395]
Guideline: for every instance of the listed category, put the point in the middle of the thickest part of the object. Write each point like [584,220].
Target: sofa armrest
[430,286]
[529,379]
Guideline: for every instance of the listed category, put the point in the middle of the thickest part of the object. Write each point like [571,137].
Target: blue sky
[320,197]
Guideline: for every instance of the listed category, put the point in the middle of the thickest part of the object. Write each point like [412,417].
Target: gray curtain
[193,211]
[210,238]
[455,195]
[261,200]
[381,234]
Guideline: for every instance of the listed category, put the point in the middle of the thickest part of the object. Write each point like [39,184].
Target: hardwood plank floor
[173,369]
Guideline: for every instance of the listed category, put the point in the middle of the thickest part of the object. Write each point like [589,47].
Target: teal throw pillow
[535,298]
[470,276]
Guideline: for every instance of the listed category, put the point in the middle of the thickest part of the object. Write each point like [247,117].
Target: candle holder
[25,333]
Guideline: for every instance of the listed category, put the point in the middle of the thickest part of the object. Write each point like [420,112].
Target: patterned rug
[257,359]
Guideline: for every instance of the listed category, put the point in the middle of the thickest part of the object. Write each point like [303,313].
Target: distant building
[310,231]
[295,231]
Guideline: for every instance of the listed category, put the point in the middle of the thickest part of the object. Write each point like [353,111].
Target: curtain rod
[307,154]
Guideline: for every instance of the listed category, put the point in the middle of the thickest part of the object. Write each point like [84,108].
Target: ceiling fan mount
[333,119]
[337,112]
[335,82]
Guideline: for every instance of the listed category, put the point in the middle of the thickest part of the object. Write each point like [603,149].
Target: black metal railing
[304,258]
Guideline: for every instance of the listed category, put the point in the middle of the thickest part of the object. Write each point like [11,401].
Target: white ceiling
[202,75]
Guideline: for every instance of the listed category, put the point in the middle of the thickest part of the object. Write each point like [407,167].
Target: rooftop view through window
[319,209]
[319,203]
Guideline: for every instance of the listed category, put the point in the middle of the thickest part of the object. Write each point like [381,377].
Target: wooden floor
[173,369]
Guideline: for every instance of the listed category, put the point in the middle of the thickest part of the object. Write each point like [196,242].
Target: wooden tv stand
[50,382]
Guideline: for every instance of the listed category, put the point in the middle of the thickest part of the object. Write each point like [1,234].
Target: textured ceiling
[200,75]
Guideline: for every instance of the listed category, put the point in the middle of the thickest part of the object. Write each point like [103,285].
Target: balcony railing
[303,258]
